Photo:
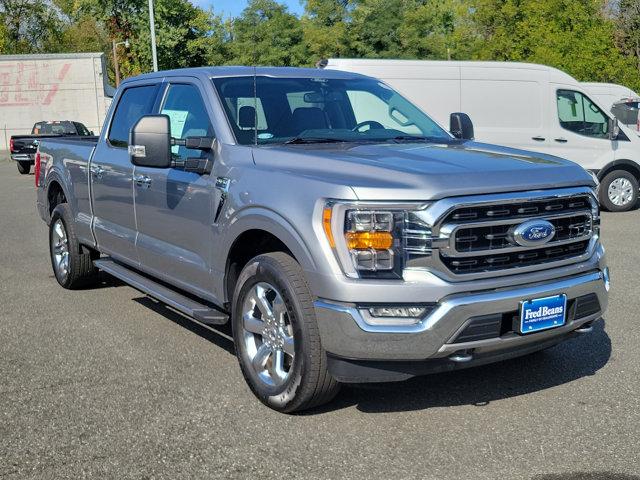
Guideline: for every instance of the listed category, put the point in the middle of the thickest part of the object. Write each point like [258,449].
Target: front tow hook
[586,328]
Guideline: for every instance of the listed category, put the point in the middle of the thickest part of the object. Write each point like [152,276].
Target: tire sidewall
[265,269]
[24,170]
[60,213]
[604,191]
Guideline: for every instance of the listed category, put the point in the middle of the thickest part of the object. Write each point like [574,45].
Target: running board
[192,308]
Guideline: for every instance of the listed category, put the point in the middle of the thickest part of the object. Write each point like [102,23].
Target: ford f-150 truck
[23,147]
[345,235]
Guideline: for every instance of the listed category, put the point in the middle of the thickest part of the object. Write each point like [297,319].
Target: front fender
[260,218]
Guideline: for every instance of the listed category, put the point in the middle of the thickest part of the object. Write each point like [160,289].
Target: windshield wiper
[303,140]
[411,138]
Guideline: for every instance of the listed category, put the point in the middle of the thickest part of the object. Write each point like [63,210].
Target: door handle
[561,140]
[97,171]
[538,139]
[142,181]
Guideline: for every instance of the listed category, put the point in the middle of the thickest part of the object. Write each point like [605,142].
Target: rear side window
[134,103]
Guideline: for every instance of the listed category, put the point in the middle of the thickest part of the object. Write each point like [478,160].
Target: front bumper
[346,335]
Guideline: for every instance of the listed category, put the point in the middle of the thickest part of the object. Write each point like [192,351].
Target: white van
[521,105]
[608,93]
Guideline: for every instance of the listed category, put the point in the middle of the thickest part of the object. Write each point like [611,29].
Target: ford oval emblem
[533,233]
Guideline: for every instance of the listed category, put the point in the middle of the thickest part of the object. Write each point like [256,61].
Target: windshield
[306,110]
[57,128]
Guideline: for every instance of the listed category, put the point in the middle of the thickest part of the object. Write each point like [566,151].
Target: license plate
[543,313]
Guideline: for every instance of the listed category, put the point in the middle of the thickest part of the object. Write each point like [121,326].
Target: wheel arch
[260,231]
[56,194]
[627,165]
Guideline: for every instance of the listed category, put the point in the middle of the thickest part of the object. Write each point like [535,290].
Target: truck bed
[72,153]
[25,146]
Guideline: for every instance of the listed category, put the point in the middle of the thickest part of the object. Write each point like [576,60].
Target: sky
[232,8]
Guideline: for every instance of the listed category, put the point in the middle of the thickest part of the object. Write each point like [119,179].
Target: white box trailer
[34,88]
[521,105]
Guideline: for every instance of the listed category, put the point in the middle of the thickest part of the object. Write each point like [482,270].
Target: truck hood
[430,171]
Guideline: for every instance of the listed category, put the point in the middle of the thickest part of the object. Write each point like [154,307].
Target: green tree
[85,34]
[374,29]
[325,27]
[267,34]
[438,29]
[628,22]
[3,36]
[573,36]
[181,30]
[29,26]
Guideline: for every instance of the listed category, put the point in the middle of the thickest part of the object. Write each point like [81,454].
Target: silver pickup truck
[345,235]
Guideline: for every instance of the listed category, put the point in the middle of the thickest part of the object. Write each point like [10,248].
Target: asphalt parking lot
[106,383]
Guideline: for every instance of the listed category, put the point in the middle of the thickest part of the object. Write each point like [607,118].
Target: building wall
[51,87]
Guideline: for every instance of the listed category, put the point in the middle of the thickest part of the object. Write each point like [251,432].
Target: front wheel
[24,167]
[619,191]
[276,335]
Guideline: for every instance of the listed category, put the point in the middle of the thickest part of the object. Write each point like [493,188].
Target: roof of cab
[241,71]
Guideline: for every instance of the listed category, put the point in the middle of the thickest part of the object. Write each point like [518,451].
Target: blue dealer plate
[543,313]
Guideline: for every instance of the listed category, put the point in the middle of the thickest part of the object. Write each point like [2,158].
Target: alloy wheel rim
[268,334]
[620,191]
[60,249]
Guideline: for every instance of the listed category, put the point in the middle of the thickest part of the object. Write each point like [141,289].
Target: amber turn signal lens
[366,240]
[326,225]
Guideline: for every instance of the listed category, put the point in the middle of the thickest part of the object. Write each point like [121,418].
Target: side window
[134,103]
[189,118]
[81,129]
[579,114]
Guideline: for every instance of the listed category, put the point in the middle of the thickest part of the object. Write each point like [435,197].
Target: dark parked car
[626,110]
[23,147]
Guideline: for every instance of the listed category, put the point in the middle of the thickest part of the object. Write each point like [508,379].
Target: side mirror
[461,126]
[614,129]
[150,142]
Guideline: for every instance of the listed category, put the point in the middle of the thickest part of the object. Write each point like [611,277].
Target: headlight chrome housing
[376,239]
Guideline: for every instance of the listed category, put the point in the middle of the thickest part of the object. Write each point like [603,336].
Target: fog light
[407,312]
[395,315]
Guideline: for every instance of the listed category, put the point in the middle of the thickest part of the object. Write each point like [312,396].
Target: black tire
[605,184]
[24,167]
[309,384]
[80,271]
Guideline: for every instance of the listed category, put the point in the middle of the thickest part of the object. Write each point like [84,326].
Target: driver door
[174,208]
[579,129]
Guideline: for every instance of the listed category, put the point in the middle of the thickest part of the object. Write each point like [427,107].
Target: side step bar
[192,308]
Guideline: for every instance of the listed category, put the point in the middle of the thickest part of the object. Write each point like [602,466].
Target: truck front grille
[493,237]
[479,238]
[501,261]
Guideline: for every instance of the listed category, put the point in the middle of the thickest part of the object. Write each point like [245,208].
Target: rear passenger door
[174,208]
[112,175]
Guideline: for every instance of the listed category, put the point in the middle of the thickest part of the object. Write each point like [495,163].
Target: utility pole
[116,67]
[152,26]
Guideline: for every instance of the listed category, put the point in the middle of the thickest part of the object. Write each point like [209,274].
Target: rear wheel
[72,264]
[24,167]
[619,191]
[276,335]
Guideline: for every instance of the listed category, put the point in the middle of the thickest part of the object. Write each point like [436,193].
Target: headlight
[375,240]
